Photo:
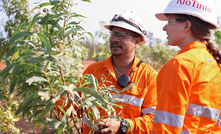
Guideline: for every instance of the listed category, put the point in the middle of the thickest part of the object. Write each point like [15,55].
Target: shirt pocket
[137,91]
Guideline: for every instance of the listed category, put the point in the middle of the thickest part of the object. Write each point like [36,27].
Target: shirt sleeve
[173,89]
[144,124]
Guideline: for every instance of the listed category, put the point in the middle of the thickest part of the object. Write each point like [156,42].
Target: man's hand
[110,126]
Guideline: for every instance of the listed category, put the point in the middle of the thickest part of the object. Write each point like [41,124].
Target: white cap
[130,21]
[203,9]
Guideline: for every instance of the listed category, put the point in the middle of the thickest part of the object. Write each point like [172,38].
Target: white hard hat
[203,9]
[130,21]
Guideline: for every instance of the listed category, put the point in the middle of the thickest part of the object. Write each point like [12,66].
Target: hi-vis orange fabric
[189,93]
[140,109]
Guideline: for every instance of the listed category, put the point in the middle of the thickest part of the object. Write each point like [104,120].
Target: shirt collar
[192,45]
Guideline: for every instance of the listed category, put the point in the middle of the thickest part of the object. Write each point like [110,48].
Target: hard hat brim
[163,17]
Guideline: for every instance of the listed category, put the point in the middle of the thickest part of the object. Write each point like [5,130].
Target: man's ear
[187,26]
[138,40]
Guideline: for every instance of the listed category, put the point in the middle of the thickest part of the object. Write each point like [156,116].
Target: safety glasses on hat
[120,18]
[121,35]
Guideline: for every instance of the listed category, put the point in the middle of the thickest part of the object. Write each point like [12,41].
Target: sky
[104,10]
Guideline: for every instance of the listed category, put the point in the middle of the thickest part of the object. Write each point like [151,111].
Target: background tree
[217,34]
[17,13]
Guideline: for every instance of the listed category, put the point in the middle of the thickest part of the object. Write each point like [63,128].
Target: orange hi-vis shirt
[139,111]
[189,93]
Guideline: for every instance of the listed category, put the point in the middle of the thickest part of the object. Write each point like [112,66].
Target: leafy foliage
[217,34]
[103,52]
[44,64]
[7,107]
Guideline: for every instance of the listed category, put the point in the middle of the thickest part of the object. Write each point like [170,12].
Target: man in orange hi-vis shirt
[126,33]
[123,67]
[189,85]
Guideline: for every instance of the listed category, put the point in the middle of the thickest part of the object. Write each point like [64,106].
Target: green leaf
[20,52]
[20,28]
[78,15]
[19,67]
[55,24]
[12,87]
[50,105]
[91,36]
[60,15]
[89,91]
[94,55]
[45,110]
[26,101]
[19,35]
[32,59]
[65,61]
[64,120]
[55,1]
[112,89]
[44,129]
[93,81]
[95,110]
[10,52]
[61,109]
[73,23]
[53,124]
[73,30]
[44,4]
[7,69]
[35,79]
[54,60]
[45,41]
[127,87]
[36,18]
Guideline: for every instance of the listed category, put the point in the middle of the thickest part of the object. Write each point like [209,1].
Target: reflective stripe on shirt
[132,100]
[198,110]
[85,121]
[219,121]
[148,110]
[184,131]
[169,119]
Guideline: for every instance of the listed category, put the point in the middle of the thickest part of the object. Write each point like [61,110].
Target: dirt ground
[26,128]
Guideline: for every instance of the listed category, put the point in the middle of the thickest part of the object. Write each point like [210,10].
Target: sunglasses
[121,35]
